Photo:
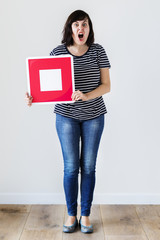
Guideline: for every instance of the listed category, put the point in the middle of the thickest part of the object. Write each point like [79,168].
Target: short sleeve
[103,60]
[52,53]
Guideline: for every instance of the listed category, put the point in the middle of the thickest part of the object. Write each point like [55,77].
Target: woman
[83,119]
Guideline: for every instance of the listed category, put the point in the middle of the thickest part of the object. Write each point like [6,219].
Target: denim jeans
[77,157]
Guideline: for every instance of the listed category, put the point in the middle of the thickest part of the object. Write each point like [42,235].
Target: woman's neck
[78,49]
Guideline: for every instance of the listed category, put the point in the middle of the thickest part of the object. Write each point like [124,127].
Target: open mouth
[80,35]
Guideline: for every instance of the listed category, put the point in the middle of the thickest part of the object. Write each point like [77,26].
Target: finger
[74,96]
[28,100]
[27,95]
[29,104]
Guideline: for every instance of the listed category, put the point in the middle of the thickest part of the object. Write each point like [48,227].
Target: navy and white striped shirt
[87,78]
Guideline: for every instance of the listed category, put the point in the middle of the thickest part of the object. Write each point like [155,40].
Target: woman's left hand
[77,95]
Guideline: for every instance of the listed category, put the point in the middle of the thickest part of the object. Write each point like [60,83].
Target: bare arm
[103,88]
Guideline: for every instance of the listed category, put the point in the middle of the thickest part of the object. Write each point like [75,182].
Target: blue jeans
[70,131]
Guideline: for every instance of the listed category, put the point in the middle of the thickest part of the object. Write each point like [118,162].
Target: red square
[61,63]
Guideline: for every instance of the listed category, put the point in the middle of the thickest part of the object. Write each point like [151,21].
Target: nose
[80,27]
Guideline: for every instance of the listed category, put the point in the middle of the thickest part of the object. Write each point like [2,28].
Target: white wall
[31,165]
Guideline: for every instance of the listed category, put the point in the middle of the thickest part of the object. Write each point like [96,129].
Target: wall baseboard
[59,198]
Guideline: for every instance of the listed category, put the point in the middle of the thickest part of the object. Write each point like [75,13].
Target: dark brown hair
[67,31]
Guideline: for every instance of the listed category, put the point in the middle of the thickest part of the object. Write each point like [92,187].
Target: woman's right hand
[28,99]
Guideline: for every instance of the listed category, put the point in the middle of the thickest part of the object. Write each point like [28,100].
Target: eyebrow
[82,20]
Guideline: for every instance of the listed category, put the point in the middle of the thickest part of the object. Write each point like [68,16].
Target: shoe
[71,228]
[85,229]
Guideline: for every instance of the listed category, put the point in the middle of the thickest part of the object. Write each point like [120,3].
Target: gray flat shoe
[71,228]
[85,229]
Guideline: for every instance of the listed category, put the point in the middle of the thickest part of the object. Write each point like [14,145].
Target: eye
[85,24]
[76,24]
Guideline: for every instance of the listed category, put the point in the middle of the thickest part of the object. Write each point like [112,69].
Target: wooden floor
[110,222]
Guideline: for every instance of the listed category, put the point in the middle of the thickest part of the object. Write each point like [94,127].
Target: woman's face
[80,31]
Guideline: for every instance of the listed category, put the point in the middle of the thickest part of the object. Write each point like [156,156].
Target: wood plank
[121,220]
[124,237]
[11,224]
[44,222]
[157,209]
[147,211]
[149,216]
[95,218]
[15,208]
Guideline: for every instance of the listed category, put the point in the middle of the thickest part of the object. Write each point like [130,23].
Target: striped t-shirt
[87,78]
